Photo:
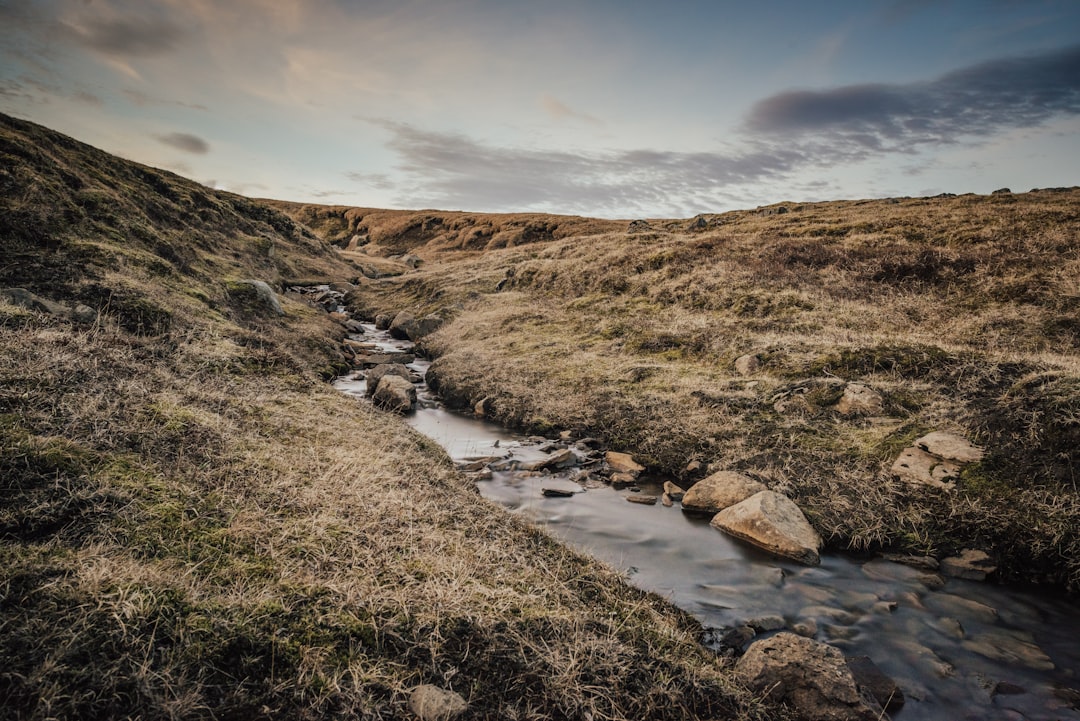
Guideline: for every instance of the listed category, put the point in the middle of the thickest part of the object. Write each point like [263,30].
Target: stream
[957,649]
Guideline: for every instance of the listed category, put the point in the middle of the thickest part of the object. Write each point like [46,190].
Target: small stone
[672,491]
[747,364]
[556,492]
[859,399]
[431,703]
[667,501]
[642,498]
[807,628]
[763,624]
[622,480]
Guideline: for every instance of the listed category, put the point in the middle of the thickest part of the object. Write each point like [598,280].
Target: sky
[607,108]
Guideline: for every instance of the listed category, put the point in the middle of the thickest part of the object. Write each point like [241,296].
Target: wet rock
[807,628]
[376,374]
[665,499]
[859,399]
[431,703]
[839,615]
[933,581]
[622,480]
[746,365]
[950,627]
[764,624]
[719,491]
[773,523]
[366,360]
[673,492]
[1010,647]
[948,604]
[1005,688]
[806,675]
[354,326]
[395,393]
[923,563]
[950,447]
[383,321]
[871,678]
[884,607]
[557,492]
[484,474]
[970,564]
[623,463]
[561,459]
[642,498]
[483,407]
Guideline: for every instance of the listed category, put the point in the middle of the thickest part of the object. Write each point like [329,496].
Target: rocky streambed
[921,641]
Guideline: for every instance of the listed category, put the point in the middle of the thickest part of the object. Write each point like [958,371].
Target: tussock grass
[194,525]
[960,311]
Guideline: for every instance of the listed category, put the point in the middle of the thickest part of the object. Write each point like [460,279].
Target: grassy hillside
[194,525]
[962,312]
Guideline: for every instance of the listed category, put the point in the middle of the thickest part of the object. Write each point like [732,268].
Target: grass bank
[194,525]
[960,311]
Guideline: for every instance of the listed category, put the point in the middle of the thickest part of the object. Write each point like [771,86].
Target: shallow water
[948,648]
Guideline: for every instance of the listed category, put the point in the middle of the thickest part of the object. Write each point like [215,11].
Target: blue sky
[605,108]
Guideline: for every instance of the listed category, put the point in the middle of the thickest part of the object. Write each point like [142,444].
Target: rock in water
[395,393]
[373,376]
[773,523]
[809,676]
[431,703]
[971,564]
[720,490]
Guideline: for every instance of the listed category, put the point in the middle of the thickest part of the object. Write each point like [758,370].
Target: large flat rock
[719,491]
[773,523]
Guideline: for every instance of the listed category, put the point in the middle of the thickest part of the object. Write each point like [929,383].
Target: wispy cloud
[561,111]
[186,142]
[978,101]
[789,132]
[127,36]
[142,99]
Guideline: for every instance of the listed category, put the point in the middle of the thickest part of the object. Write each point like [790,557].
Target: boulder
[376,374]
[383,321]
[773,523]
[859,400]
[675,493]
[407,326]
[720,490]
[807,675]
[262,294]
[747,364]
[949,447]
[366,360]
[639,226]
[395,393]
[431,703]
[869,677]
[623,463]
[970,564]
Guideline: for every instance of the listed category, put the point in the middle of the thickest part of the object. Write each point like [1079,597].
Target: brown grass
[194,525]
[960,311]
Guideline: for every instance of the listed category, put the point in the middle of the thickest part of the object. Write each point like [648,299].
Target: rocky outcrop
[773,523]
[936,459]
[719,491]
[32,301]
[809,676]
[395,393]
[431,703]
[373,376]
[639,226]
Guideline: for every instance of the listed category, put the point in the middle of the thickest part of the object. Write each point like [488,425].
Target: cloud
[128,37]
[561,111]
[185,142]
[142,99]
[452,170]
[973,102]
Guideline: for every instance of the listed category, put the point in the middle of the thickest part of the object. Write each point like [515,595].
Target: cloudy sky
[613,108]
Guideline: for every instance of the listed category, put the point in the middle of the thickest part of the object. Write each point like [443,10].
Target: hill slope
[193,524]
[962,314]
